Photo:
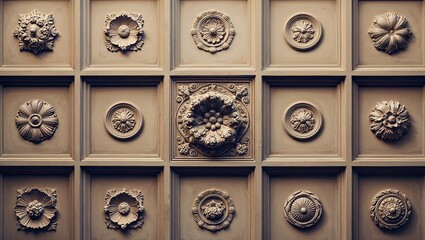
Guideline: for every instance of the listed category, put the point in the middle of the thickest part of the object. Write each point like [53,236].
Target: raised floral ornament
[124,32]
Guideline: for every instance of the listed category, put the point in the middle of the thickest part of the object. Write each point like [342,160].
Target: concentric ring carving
[213,210]
[303,31]
[123,121]
[390,209]
[213,31]
[303,209]
[302,120]
[36,121]
[390,120]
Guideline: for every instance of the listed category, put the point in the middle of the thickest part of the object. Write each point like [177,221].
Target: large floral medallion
[36,121]
[303,209]
[390,32]
[212,119]
[213,31]
[213,210]
[123,209]
[36,209]
[123,121]
[390,120]
[124,32]
[302,120]
[36,32]
[303,31]
[390,209]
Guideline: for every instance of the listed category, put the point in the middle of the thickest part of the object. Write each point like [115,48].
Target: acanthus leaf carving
[124,32]
[303,209]
[390,120]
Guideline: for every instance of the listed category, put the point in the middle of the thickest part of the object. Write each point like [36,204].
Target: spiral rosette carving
[303,209]
[213,210]
[302,120]
[390,32]
[213,31]
[123,121]
[212,119]
[36,32]
[36,209]
[390,120]
[390,209]
[124,209]
[36,121]
[124,32]
[303,31]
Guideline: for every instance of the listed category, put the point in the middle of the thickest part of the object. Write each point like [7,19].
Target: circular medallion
[390,209]
[123,121]
[213,210]
[302,120]
[303,31]
[303,209]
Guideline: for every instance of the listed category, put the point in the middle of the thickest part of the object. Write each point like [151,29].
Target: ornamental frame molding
[303,209]
[196,138]
[126,38]
[303,32]
[123,121]
[302,121]
[213,210]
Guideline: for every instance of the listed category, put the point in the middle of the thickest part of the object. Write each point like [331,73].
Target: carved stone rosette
[213,210]
[303,209]
[390,32]
[390,120]
[123,209]
[124,32]
[36,121]
[302,120]
[213,31]
[390,209]
[123,121]
[36,209]
[303,31]
[212,119]
[36,32]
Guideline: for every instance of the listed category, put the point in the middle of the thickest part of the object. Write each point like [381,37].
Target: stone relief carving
[36,32]
[123,121]
[303,31]
[123,209]
[36,209]
[303,209]
[390,120]
[302,120]
[213,31]
[213,210]
[124,32]
[390,32]
[390,209]
[36,121]
[212,119]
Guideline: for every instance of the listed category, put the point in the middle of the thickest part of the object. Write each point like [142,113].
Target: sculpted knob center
[303,210]
[213,31]
[124,208]
[124,31]
[35,209]
[35,120]
[392,119]
[392,210]
[33,30]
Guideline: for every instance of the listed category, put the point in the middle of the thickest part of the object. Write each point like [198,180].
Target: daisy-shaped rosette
[390,32]
[36,32]
[124,32]
[390,120]
[123,209]
[36,209]
[213,119]
[213,31]
[302,31]
[123,120]
[303,121]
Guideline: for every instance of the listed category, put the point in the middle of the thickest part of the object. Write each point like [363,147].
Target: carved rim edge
[377,200]
[287,123]
[302,194]
[313,42]
[116,134]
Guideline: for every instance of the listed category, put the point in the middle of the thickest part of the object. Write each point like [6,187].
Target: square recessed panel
[371,184]
[410,144]
[325,53]
[238,54]
[303,121]
[368,55]
[124,121]
[147,56]
[61,56]
[59,143]
[64,215]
